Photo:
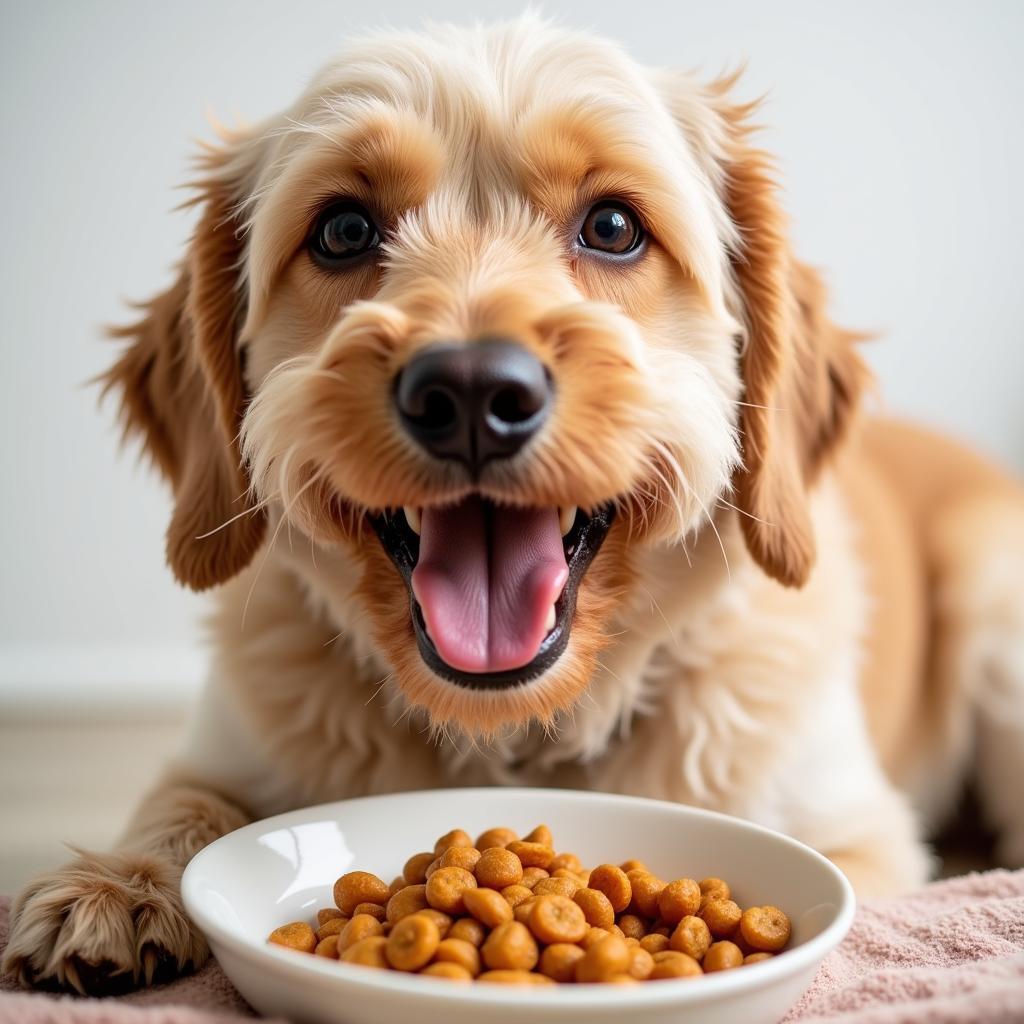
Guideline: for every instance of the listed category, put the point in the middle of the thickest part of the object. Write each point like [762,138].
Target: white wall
[898,129]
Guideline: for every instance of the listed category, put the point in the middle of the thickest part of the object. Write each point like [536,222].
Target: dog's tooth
[566,517]
[412,517]
[549,623]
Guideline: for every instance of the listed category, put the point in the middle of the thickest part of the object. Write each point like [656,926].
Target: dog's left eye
[611,227]
[343,232]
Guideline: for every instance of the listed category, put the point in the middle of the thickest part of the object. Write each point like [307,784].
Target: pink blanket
[951,954]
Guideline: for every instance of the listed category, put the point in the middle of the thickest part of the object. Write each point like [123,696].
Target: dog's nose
[475,401]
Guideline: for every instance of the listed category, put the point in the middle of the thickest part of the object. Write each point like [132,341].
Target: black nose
[475,401]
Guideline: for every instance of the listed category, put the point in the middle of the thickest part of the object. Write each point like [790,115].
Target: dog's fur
[798,617]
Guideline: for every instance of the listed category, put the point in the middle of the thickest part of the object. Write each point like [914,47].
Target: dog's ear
[802,375]
[181,388]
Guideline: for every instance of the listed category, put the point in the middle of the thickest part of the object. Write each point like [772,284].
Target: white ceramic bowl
[283,869]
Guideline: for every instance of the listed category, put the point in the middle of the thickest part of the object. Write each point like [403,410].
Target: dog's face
[488,310]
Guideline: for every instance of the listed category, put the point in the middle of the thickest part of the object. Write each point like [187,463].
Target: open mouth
[492,588]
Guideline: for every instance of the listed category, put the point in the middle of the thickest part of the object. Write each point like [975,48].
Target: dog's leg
[107,922]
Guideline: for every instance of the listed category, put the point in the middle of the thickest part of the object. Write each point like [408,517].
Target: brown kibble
[469,929]
[415,870]
[521,911]
[692,937]
[596,907]
[714,889]
[556,918]
[647,890]
[722,917]
[631,926]
[532,855]
[679,899]
[461,952]
[655,943]
[756,958]
[540,835]
[515,894]
[460,857]
[328,947]
[446,969]
[556,887]
[497,868]
[594,936]
[362,926]
[432,866]
[359,887]
[297,935]
[445,887]
[614,883]
[669,965]
[567,862]
[634,865]
[721,956]
[443,921]
[412,943]
[487,906]
[510,947]
[407,901]
[514,977]
[531,876]
[332,926]
[397,884]
[641,963]
[495,837]
[373,909]
[454,838]
[367,953]
[603,960]
[327,914]
[765,929]
[558,961]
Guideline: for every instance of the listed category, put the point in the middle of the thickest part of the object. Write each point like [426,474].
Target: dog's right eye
[343,232]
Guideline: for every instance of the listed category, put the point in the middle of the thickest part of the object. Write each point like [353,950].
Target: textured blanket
[951,954]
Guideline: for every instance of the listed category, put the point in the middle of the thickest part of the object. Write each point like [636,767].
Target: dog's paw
[103,923]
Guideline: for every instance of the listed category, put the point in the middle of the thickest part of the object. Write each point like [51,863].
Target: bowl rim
[582,996]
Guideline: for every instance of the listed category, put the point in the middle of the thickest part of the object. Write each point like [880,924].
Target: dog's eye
[343,231]
[611,227]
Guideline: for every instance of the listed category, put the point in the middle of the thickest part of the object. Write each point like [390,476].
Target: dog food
[512,911]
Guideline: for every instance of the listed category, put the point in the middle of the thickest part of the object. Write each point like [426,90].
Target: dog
[520,448]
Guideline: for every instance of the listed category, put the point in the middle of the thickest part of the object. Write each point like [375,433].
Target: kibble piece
[412,943]
[460,857]
[432,866]
[614,883]
[674,965]
[373,909]
[722,917]
[714,889]
[596,907]
[514,977]
[521,911]
[362,926]
[495,837]
[446,969]
[454,838]
[556,887]
[594,936]
[531,876]
[332,926]
[692,937]
[469,929]
[298,936]
[328,947]
[461,952]
[756,958]
[721,956]
[641,963]
[367,953]
[532,855]
[487,906]
[566,861]
[604,960]
[634,865]
[497,868]
[510,947]
[357,887]
[445,888]
[631,926]
[541,835]
[558,961]
[679,899]
[765,929]
[397,883]
[443,921]
[407,901]
[415,870]
[655,943]
[557,919]
[327,914]
[647,890]
[515,894]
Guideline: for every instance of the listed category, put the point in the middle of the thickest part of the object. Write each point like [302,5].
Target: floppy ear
[181,389]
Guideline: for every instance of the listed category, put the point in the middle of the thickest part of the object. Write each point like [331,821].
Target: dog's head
[488,309]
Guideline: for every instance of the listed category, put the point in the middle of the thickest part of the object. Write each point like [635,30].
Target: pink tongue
[485,582]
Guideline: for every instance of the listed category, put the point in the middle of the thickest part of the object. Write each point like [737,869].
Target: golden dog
[521,449]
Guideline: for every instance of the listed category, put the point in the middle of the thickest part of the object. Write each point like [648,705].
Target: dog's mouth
[492,588]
